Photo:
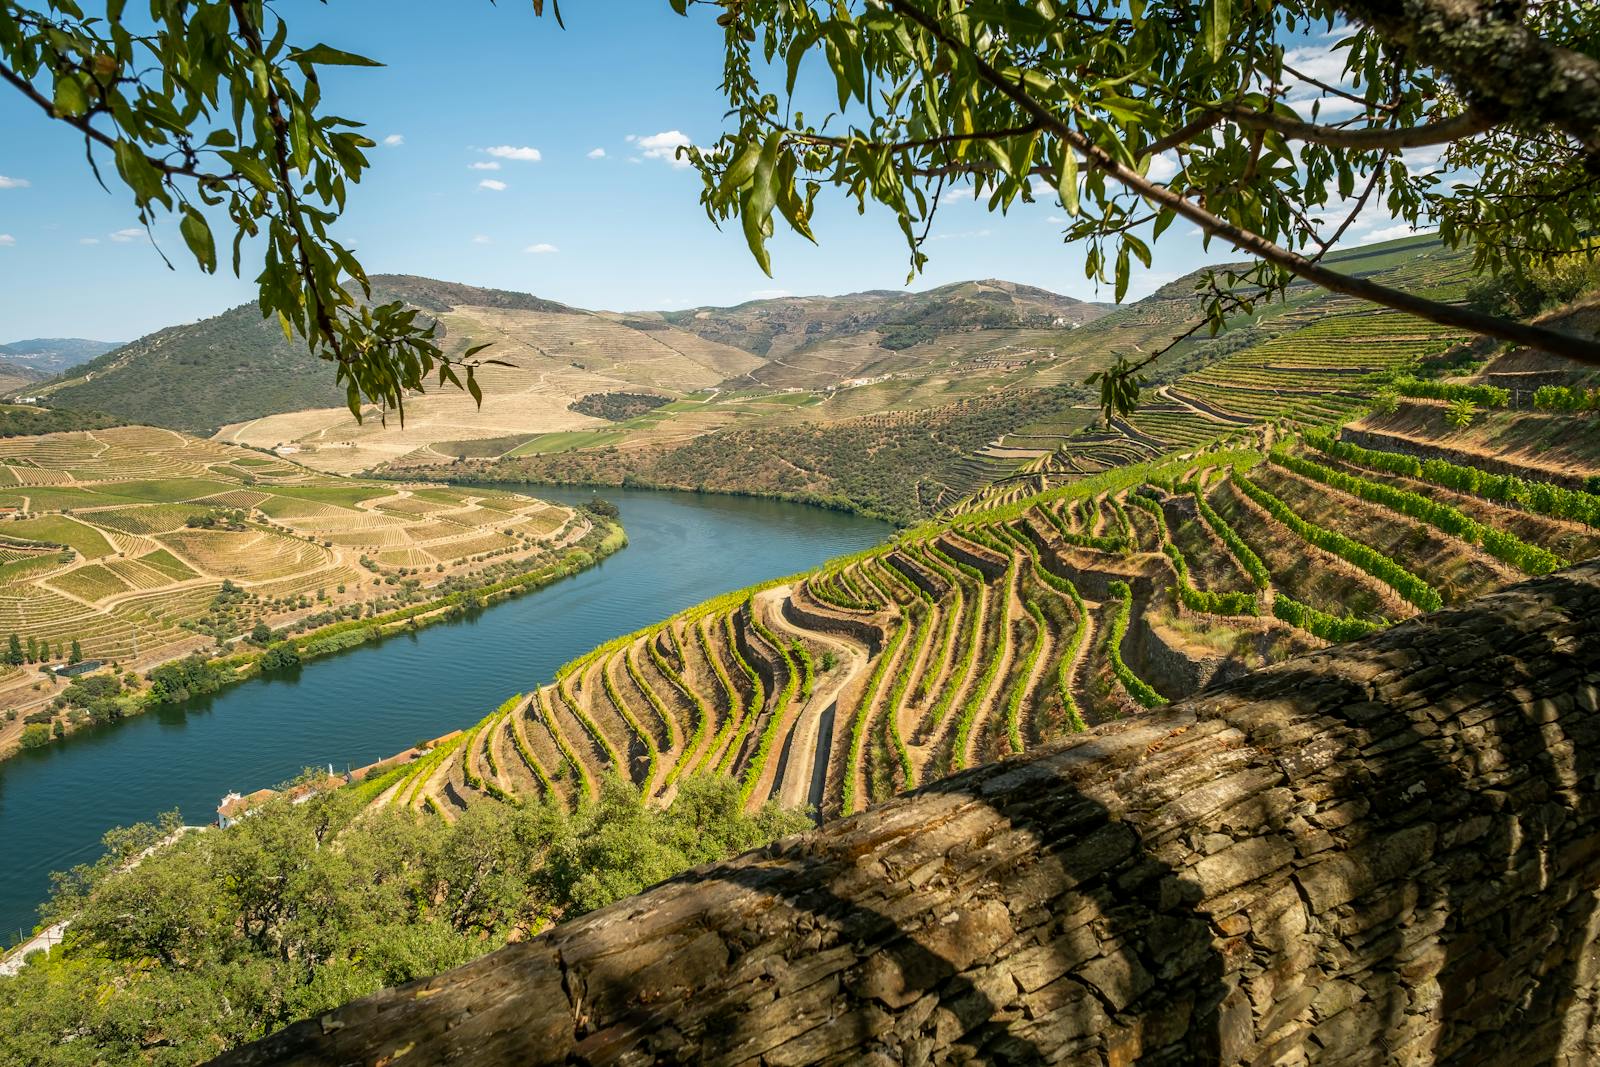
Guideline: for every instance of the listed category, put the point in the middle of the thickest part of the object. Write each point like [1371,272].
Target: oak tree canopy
[205,109]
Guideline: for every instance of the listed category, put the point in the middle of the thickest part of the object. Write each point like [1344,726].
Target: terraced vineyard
[1023,618]
[141,543]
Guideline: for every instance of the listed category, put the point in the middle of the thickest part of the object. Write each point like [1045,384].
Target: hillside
[944,418]
[140,544]
[49,356]
[17,377]
[1306,503]
[237,372]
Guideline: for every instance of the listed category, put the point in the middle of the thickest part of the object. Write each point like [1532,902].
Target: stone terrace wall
[1386,852]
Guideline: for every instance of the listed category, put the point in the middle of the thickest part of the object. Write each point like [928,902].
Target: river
[359,706]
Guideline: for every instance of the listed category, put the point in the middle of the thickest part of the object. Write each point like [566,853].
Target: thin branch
[1334,90]
[88,129]
[1584,350]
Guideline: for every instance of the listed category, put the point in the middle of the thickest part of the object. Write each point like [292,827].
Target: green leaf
[1216,25]
[743,166]
[197,235]
[1067,179]
[756,214]
[331,57]
[70,100]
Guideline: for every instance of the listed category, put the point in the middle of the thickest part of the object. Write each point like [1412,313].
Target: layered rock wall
[1385,852]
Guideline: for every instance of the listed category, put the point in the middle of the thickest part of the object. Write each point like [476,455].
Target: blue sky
[602,218]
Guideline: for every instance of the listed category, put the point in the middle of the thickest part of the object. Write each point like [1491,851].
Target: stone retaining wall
[929,583]
[990,564]
[807,614]
[1384,852]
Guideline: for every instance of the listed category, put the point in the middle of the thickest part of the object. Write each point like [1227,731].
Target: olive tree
[211,105]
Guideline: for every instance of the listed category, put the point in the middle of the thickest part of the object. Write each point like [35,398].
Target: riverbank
[488,476]
[182,677]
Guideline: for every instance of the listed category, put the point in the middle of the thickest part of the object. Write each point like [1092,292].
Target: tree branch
[1497,62]
[87,128]
[1466,124]
[1584,350]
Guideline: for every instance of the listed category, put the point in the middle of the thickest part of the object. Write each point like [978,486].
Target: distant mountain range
[48,356]
[816,360]
[236,367]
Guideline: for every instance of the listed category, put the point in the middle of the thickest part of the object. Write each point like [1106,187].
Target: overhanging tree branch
[1584,350]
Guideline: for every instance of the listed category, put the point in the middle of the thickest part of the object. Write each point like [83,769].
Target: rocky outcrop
[1385,852]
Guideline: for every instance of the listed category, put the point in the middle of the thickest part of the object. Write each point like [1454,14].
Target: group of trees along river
[1337,489]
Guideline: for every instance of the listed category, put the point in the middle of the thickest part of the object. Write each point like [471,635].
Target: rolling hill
[944,417]
[237,372]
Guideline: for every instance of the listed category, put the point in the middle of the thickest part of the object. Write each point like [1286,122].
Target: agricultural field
[140,543]
[1229,539]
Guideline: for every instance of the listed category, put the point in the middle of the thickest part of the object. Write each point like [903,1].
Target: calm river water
[353,708]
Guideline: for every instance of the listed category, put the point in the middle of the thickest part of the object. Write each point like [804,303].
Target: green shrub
[1369,559]
[1541,498]
[1530,559]
[35,735]
[1562,398]
[1460,413]
[1137,687]
[1490,396]
[1328,627]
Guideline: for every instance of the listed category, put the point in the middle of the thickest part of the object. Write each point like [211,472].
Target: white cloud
[132,233]
[1323,64]
[482,239]
[1327,107]
[505,151]
[1162,167]
[88,240]
[541,249]
[6,240]
[394,140]
[964,234]
[768,294]
[13,183]
[1388,233]
[490,183]
[1057,218]
[597,153]
[484,165]
[663,146]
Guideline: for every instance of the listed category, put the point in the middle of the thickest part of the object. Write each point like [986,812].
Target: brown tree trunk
[1388,851]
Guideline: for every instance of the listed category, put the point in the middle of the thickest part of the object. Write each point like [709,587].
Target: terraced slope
[142,543]
[1019,621]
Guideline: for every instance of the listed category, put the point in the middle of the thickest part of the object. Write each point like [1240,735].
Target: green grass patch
[569,441]
[58,529]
